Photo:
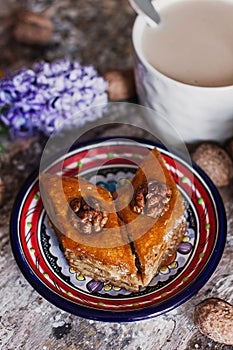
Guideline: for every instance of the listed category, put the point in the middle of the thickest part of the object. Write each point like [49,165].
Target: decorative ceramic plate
[110,163]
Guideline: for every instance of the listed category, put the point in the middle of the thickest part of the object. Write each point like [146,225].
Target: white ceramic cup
[197,113]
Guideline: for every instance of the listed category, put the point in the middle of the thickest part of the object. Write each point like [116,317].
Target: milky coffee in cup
[194,43]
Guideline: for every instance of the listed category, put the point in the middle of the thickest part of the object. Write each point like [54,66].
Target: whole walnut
[214,318]
[33,28]
[121,84]
[216,163]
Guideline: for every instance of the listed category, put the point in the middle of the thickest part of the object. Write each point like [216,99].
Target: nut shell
[214,318]
[121,84]
[215,161]
[33,28]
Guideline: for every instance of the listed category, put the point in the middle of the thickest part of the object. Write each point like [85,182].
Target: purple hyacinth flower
[49,96]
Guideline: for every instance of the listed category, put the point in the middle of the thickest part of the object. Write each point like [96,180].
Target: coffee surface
[194,42]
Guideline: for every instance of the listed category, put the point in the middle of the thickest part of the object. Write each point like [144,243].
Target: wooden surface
[84,29]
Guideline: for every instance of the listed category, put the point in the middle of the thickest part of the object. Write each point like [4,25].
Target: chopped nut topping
[91,218]
[152,199]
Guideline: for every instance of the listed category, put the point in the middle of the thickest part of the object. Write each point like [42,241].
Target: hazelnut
[121,84]
[215,161]
[214,318]
[33,28]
